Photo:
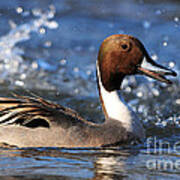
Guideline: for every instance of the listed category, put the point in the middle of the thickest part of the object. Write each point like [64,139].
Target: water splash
[11,56]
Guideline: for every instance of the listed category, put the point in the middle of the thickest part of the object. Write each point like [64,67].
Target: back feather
[29,111]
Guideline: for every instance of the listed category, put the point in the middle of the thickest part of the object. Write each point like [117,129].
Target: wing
[34,112]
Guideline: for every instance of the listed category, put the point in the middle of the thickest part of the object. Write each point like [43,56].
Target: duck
[31,121]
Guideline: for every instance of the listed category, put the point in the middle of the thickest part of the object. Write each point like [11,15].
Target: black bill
[149,68]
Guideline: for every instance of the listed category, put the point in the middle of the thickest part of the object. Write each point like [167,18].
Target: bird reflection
[55,163]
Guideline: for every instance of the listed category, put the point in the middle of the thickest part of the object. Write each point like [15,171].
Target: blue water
[50,48]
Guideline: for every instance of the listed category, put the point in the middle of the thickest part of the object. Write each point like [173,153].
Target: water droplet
[133,108]
[170,119]
[19,10]
[52,12]
[154,57]
[176,19]
[171,64]
[155,92]
[23,76]
[139,94]
[34,65]
[76,69]
[146,24]
[48,44]
[164,123]
[19,83]
[141,108]
[178,101]
[88,72]
[42,31]
[36,12]
[76,90]
[12,24]
[7,66]
[165,43]
[52,25]
[63,61]
[128,89]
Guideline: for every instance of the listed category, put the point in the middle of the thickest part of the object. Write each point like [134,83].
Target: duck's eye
[124,46]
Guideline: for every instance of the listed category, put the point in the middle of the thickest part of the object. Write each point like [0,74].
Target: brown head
[122,55]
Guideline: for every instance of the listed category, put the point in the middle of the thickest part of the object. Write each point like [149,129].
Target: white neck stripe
[114,104]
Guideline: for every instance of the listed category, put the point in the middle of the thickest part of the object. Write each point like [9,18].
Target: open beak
[150,68]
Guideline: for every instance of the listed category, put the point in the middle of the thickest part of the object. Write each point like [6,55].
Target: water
[50,48]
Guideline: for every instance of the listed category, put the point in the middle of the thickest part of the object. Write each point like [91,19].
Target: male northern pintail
[35,122]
